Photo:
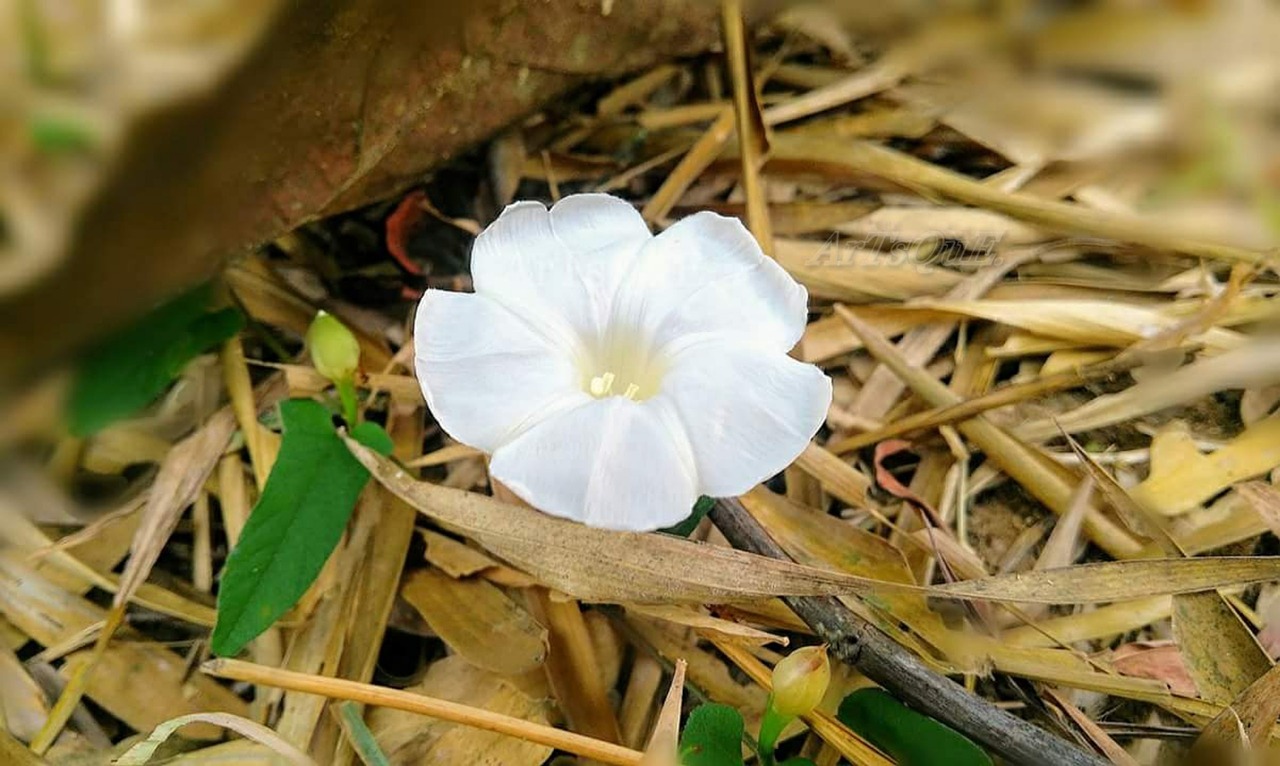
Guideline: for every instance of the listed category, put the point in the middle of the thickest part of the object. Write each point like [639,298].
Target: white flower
[613,375]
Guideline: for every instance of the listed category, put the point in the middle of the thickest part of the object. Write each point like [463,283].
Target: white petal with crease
[610,463]
[484,372]
[560,267]
[707,274]
[747,413]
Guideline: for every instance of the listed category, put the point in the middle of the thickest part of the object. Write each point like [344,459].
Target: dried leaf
[1086,323]
[1221,653]
[835,475]
[1120,580]
[1158,660]
[691,617]
[454,558]
[574,666]
[181,475]
[1179,486]
[1257,363]
[478,621]
[1250,717]
[408,738]
[663,569]
[567,556]
[1265,500]
[664,743]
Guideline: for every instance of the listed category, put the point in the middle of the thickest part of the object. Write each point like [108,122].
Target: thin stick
[337,688]
[1006,395]
[863,646]
[752,142]
[1020,461]
[700,156]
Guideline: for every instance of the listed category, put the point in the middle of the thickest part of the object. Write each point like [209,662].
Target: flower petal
[748,413]
[611,463]
[560,267]
[485,373]
[706,274]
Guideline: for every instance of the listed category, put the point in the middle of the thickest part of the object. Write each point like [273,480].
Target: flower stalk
[800,681]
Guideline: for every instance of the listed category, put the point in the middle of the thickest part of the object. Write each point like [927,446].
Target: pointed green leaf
[712,737]
[130,369]
[910,738]
[295,525]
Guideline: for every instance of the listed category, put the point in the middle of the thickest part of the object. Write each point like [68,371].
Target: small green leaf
[700,510]
[797,761]
[59,135]
[712,737]
[910,738]
[132,368]
[296,524]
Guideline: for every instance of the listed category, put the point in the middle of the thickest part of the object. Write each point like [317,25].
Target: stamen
[602,385]
[632,390]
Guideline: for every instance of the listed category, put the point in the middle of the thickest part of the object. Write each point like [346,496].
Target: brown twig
[863,646]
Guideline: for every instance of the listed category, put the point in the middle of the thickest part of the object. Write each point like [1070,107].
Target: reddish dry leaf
[1159,660]
[890,483]
[401,224]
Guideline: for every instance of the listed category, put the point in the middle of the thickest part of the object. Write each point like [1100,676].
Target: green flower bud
[800,680]
[335,353]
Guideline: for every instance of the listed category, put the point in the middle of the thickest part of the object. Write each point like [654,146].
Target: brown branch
[865,647]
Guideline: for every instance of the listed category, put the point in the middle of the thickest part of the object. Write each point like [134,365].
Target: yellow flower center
[622,365]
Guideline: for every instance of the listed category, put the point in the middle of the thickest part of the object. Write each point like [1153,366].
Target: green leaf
[296,524]
[132,368]
[797,761]
[712,737]
[58,135]
[685,528]
[910,738]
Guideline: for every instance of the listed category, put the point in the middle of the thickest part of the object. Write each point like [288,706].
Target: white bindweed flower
[614,375]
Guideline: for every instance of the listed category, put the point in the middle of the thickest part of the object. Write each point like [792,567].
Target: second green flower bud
[800,681]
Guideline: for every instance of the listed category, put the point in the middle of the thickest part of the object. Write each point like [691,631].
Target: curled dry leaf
[141,753]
